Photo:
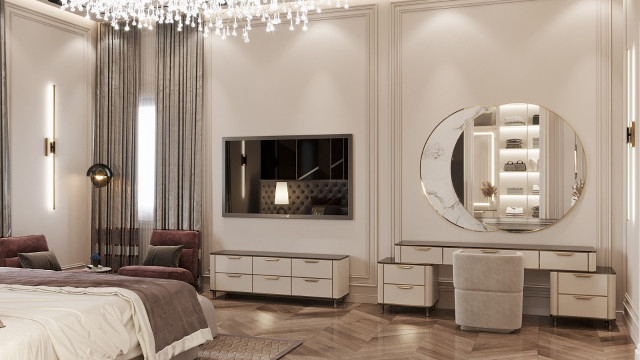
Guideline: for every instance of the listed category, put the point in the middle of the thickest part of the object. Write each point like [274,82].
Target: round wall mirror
[512,167]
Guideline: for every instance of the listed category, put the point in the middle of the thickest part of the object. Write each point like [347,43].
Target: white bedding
[74,323]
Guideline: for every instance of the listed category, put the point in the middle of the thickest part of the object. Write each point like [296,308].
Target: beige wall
[44,47]
[432,59]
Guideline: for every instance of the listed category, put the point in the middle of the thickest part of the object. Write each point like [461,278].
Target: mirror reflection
[288,176]
[513,167]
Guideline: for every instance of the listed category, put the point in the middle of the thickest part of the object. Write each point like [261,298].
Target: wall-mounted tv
[304,177]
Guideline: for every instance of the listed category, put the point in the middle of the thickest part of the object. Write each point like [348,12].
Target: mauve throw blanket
[172,306]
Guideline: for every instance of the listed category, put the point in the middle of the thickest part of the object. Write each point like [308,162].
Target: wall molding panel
[367,235]
[74,110]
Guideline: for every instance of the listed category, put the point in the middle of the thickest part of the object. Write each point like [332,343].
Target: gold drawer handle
[583,275]
[582,297]
[234,257]
[312,261]
[271,259]
[405,266]
[272,277]
[234,275]
[564,254]
[311,280]
[421,248]
[490,251]
[405,287]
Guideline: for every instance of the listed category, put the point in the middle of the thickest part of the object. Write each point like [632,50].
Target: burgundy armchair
[187,269]
[11,246]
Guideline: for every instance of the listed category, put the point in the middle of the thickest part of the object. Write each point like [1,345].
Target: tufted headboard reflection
[300,194]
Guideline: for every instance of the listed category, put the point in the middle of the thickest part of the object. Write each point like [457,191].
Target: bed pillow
[45,260]
[167,256]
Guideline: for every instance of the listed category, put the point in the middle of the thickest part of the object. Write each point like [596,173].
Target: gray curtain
[179,128]
[114,217]
[5,197]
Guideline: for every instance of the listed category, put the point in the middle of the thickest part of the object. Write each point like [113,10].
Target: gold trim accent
[420,248]
[631,134]
[405,287]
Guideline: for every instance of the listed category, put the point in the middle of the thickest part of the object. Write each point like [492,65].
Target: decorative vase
[95,262]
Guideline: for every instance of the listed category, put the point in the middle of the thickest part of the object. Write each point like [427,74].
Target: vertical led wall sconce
[50,146]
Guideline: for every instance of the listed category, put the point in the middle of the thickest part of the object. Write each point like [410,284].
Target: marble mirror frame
[436,160]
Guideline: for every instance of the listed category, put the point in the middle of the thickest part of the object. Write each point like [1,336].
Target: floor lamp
[100,175]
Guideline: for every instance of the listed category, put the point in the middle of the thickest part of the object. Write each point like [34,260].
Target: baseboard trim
[631,321]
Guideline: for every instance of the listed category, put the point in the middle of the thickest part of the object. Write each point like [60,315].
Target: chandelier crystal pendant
[224,18]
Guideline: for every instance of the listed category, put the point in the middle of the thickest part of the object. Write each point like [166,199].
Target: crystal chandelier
[225,18]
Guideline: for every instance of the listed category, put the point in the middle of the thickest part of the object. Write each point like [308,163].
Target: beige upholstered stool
[488,289]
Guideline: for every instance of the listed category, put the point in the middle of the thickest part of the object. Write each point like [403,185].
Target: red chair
[187,269]
[11,246]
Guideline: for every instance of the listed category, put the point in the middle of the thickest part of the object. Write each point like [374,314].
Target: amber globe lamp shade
[100,175]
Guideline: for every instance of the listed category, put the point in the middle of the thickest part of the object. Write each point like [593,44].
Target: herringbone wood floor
[360,331]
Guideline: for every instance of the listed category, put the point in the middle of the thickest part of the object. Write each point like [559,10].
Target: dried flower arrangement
[488,190]
[576,189]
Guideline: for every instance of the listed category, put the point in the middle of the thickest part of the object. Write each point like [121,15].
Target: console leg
[335,303]
[427,312]
[554,322]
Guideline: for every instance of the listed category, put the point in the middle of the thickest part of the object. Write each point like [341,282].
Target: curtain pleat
[179,128]
[5,197]
[115,232]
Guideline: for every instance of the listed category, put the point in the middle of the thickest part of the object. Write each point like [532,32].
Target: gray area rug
[229,347]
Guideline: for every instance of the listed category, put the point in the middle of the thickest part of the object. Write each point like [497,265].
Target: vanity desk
[577,287]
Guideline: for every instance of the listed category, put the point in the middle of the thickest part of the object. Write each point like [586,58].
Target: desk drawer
[312,268]
[411,295]
[234,282]
[582,306]
[531,257]
[403,274]
[421,255]
[312,287]
[582,284]
[272,284]
[233,264]
[564,260]
[272,266]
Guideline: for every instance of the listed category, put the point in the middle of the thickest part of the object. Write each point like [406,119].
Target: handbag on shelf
[520,166]
[509,166]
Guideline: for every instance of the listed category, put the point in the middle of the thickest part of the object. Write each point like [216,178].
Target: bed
[80,315]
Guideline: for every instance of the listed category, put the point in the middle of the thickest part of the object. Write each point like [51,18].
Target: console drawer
[312,287]
[234,282]
[582,306]
[421,255]
[271,266]
[403,274]
[410,295]
[564,260]
[530,257]
[312,268]
[272,284]
[582,284]
[233,264]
